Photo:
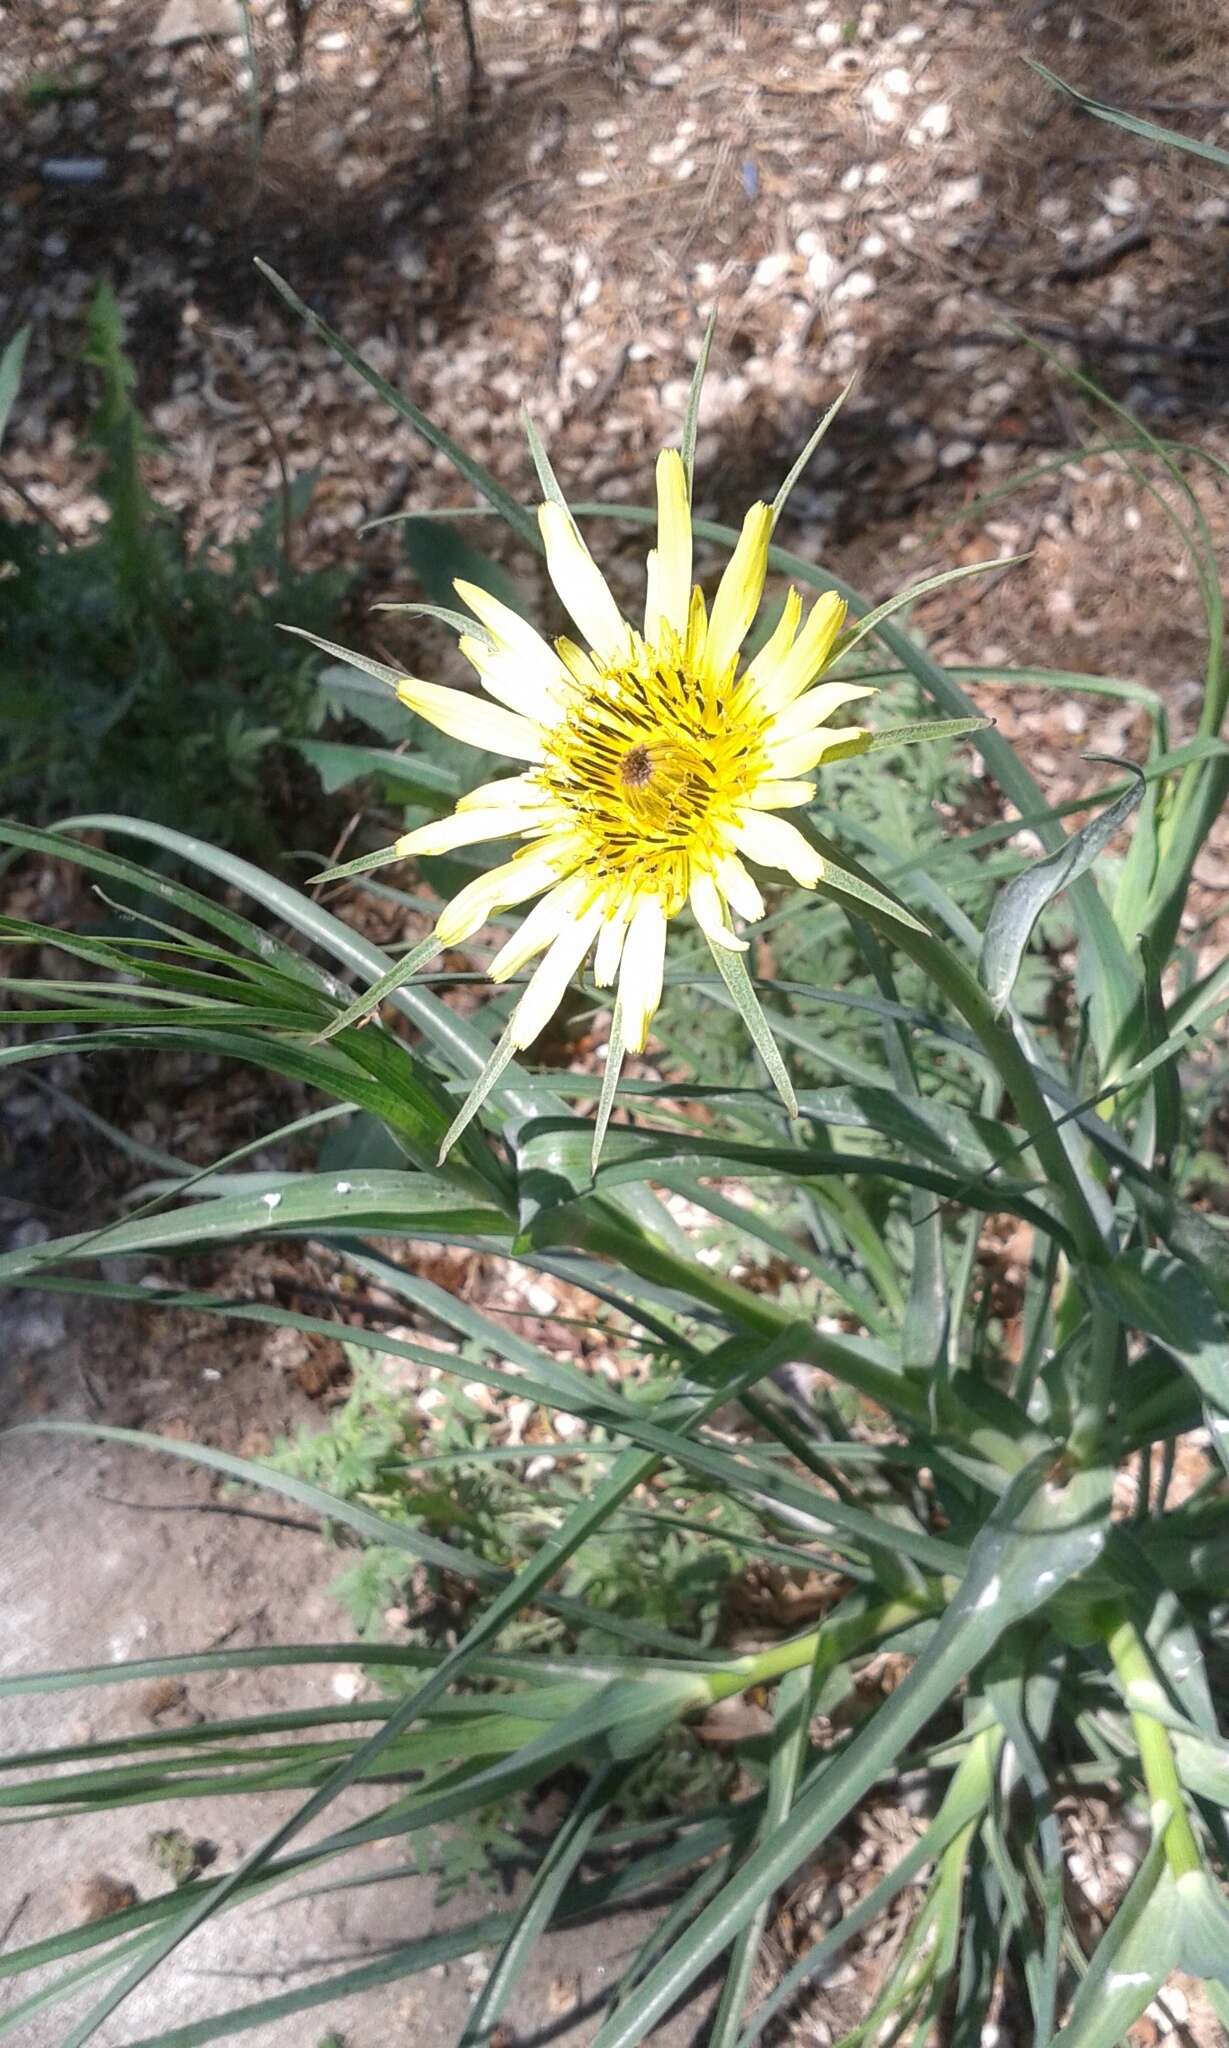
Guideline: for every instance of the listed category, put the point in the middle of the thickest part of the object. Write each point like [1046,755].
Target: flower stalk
[1156,1755]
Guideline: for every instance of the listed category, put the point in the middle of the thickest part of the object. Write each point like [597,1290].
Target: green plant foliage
[140,670]
[815,1379]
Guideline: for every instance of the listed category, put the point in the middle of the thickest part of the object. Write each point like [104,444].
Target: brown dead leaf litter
[874,188]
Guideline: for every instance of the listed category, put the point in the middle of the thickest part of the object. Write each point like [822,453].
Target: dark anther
[636,768]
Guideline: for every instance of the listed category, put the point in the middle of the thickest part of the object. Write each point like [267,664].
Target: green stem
[842,1635]
[1156,1755]
[1097,1392]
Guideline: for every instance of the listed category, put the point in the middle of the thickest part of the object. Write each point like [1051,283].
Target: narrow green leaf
[534,1914]
[383,1202]
[488,1079]
[615,1045]
[790,1735]
[1150,131]
[1018,906]
[473,472]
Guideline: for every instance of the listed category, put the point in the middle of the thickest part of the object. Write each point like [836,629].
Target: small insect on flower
[655,767]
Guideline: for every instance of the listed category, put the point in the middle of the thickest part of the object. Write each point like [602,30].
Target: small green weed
[142,670]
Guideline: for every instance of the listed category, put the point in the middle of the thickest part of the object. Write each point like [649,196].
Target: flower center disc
[652,764]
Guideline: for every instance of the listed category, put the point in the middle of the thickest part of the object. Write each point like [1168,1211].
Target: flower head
[654,763]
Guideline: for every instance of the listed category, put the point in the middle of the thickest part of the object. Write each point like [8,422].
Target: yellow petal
[797,757]
[813,708]
[770,795]
[778,643]
[543,924]
[669,597]
[530,871]
[775,843]
[581,585]
[789,678]
[610,945]
[472,719]
[738,888]
[641,970]
[523,790]
[697,633]
[578,664]
[513,633]
[463,828]
[512,681]
[548,982]
[522,670]
[739,592]
[709,913]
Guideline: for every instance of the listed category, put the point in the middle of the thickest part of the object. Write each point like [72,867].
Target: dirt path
[87,1575]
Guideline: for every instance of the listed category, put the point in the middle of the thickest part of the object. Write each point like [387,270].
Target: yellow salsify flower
[655,771]
[653,767]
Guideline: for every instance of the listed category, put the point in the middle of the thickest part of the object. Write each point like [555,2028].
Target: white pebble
[936,119]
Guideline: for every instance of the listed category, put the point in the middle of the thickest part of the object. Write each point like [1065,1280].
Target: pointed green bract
[733,971]
[782,498]
[871,621]
[691,421]
[547,480]
[379,669]
[839,878]
[365,1006]
[460,622]
[488,1079]
[474,472]
[610,1080]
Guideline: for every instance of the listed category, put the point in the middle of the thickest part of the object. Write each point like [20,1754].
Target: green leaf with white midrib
[410,1204]
[558,1148]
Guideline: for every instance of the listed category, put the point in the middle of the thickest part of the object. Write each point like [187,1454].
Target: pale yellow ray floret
[652,771]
